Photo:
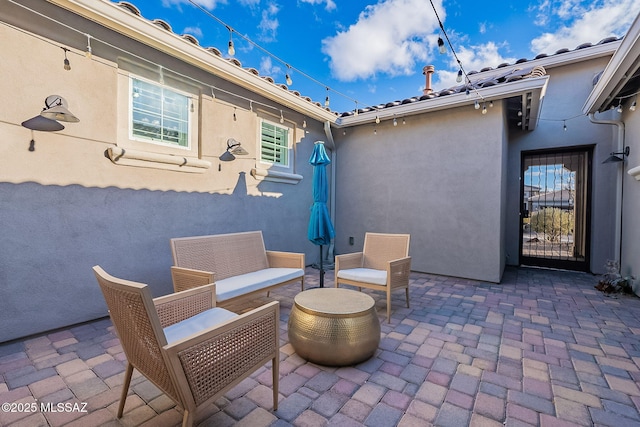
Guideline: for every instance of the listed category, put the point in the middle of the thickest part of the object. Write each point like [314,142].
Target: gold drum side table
[334,326]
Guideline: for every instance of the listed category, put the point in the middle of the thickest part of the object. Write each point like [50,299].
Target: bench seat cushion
[244,283]
[197,323]
[367,275]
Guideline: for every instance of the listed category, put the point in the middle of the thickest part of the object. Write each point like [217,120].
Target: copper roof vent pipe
[428,72]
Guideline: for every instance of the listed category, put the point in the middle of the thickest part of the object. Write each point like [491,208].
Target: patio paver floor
[542,348]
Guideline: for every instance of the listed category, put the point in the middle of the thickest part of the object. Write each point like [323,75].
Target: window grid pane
[274,144]
[159,114]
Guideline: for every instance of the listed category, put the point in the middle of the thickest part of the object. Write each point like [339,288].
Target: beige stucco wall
[97,93]
[437,177]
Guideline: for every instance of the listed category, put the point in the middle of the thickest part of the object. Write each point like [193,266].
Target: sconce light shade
[613,158]
[56,109]
[233,147]
[42,124]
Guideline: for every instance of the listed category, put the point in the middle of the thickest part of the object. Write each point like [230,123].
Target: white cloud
[582,25]
[389,37]
[331,5]
[269,23]
[268,69]
[194,31]
[473,58]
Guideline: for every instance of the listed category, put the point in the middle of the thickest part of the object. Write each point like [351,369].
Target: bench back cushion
[226,255]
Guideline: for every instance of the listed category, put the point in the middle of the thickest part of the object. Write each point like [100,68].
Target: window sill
[275,176]
[635,172]
[145,159]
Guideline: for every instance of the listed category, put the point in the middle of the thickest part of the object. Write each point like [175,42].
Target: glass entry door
[555,194]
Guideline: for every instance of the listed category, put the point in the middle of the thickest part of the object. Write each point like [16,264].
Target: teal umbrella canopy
[320,231]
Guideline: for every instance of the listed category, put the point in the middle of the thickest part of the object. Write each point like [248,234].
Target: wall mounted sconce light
[613,158]
[47,121]
[233,149]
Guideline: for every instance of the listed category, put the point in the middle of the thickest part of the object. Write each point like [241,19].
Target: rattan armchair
[190,349]
[384,265]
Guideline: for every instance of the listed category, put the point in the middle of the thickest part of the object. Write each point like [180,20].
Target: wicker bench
[237,263]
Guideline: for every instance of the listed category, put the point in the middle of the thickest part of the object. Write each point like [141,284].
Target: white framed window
[157,118]
[159,115]
[274,144]
[277,157]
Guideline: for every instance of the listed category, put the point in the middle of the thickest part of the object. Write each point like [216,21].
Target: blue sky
[373,52]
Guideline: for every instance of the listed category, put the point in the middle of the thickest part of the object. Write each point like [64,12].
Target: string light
[377,120]
[564,125]
[67,64]
[441,46]
[88,52]
[633,106]
[395,122]
[231,49]
[326,99]
[287,76]
[476,105]
[484,108]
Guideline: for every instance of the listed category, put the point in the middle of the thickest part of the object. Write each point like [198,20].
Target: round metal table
[334,326]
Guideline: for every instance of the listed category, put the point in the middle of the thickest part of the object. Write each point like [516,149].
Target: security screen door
[555,194]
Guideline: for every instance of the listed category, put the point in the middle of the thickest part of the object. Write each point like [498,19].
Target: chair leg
[187,419]
[275,367]
[407,292]
[388,306]
[125,388]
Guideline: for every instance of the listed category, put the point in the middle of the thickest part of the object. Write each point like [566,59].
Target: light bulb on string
[476,105]
[231,50]
[287,76]
[377,120]
[484,109]
[633,106]
[326,99]
[459,77]
[88,52]
[490,104]
[619,109]
[441,47]
[564,125]
[67,64]
[395,122]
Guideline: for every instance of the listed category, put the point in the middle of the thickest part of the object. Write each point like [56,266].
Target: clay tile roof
[163,24]
[130,7]
[214,50]
[191,39]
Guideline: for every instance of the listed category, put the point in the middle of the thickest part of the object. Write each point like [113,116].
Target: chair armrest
[187,278]
[278,259]
[347,261]
[398,272]
[222,355]
[176,307]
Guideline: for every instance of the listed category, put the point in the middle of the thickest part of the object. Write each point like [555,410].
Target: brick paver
[542,348]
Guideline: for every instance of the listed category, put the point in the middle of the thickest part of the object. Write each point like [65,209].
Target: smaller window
[159,115]
[274,144]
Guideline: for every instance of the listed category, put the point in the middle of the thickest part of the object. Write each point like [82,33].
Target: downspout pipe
[332,192]
[620,144]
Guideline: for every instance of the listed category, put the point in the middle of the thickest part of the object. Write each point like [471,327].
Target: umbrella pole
[321,270]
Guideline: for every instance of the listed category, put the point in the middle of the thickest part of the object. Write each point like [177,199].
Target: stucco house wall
[66,207]
[569,86]
[438,177]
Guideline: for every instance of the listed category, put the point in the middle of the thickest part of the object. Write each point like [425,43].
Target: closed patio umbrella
[320,230]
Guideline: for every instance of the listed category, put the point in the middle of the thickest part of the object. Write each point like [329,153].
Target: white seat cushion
[256,280]
[367,275]
[197,323]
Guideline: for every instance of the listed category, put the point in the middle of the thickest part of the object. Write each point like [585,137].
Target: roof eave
[536,87]
[110,15]
[623,64]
